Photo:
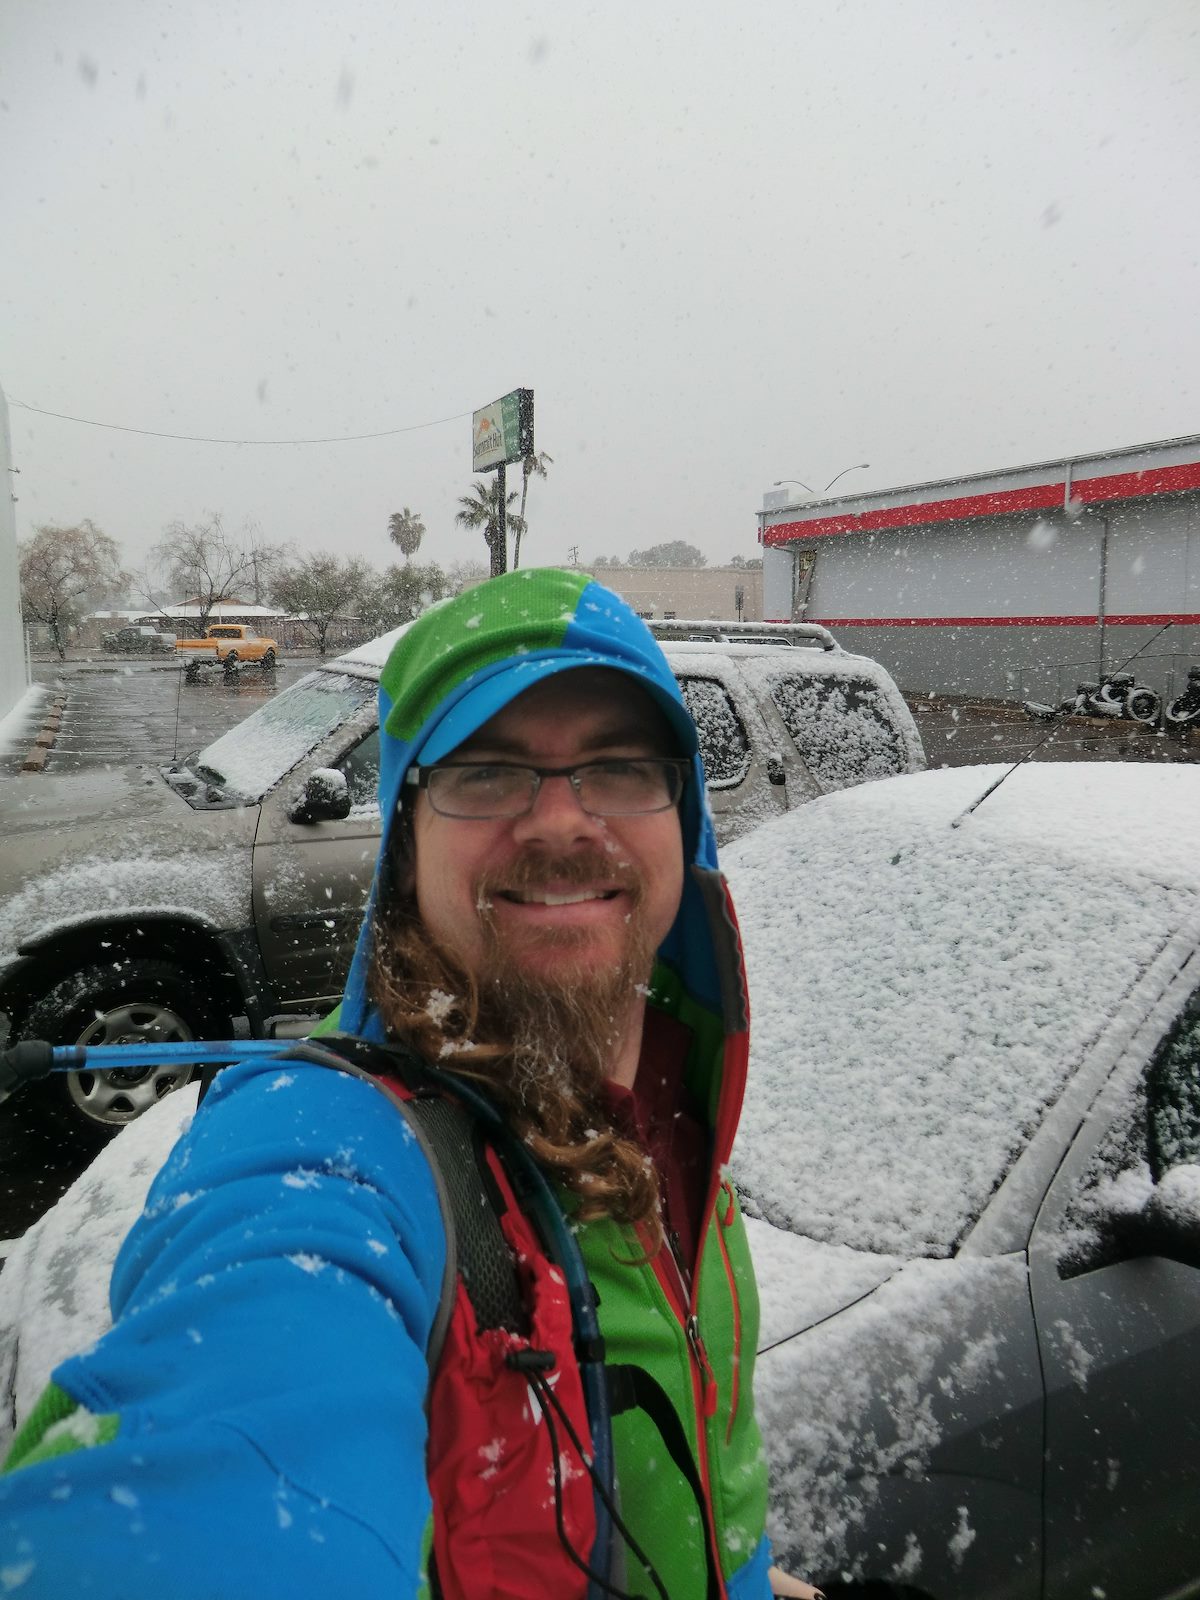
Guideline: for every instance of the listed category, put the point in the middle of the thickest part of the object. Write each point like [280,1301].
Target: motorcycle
[1184,710]
[1118,694]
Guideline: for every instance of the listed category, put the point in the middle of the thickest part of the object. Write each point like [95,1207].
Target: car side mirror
[776,771]
[1169,1223]
[326,797]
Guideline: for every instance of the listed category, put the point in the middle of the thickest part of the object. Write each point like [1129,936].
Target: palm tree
[539,464]
[481,509]
[406,529]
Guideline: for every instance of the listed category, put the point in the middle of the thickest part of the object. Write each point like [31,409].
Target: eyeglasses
[627,786]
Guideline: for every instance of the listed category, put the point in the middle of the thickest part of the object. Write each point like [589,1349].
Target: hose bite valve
[32,1059]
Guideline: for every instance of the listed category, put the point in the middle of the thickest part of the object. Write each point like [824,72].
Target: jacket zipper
[724,1222]
[704,1383]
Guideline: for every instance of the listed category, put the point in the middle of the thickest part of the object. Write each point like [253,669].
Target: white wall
[13,681]
[1154,558]
[1021,566]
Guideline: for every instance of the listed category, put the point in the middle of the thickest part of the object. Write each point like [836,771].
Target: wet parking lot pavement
[122,712]
[144,711]
[114,714]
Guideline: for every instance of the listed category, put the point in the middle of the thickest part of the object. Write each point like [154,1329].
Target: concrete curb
[38,754]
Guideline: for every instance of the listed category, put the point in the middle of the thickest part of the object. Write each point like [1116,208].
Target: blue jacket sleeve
[266,1367]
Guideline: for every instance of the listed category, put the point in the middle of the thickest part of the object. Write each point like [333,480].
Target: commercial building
[704,593]
[1016,583]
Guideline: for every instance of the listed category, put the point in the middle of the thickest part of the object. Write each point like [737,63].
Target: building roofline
[1044,486]
[1052,464]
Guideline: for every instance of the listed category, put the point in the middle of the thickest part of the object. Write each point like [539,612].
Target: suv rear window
[724,747]
[842,727]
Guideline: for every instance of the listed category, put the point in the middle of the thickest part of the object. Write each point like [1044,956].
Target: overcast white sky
[722,244]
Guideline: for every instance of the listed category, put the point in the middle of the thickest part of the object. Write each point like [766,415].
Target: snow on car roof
[921,993]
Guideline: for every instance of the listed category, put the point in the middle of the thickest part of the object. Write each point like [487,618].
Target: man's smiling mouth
[544,897]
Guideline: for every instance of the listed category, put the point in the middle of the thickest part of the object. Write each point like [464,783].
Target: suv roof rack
[681,631]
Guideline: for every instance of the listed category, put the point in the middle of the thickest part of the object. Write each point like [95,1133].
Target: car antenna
[1053,734]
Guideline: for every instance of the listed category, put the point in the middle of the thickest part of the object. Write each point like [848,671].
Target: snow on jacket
[254,1423]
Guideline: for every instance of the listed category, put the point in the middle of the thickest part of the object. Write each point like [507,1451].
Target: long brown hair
[539,1051]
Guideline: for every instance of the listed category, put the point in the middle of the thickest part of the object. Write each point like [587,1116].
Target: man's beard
[568,1022]
[540,1044]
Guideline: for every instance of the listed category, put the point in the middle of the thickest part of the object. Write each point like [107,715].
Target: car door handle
[318,919]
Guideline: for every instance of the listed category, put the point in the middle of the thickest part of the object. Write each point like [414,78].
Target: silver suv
[224,892]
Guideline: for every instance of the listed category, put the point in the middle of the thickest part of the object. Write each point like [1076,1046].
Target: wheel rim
[122,1094]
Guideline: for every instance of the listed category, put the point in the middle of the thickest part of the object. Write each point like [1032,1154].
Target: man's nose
[557,814]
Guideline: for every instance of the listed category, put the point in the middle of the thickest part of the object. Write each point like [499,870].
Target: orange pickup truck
[228,643]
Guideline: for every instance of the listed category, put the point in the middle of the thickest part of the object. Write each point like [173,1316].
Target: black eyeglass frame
[677,768]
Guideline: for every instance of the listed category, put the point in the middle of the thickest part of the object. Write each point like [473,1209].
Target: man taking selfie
[456,1298]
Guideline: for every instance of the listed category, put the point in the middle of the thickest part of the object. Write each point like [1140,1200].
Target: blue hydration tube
[32,1059]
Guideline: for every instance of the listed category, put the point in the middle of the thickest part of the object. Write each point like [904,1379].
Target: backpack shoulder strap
[468,1194]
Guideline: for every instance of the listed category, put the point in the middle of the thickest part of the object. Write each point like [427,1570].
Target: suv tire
[142,999]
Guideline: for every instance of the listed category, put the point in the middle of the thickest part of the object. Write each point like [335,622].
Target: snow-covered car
[224,892]
[970,1143]
[972,1138]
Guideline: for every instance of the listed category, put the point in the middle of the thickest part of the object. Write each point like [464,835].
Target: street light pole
[780,481]
[859,467]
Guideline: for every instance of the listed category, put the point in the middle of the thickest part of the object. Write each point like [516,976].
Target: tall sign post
[500,433]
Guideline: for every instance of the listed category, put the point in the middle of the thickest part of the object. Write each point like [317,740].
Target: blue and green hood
[465,660]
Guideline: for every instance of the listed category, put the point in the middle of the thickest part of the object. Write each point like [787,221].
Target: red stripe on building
[997,503]
[1150,619]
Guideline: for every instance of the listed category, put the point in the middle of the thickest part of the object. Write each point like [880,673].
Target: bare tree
[461,574]
[480,508]
[66,572]
[532,466]
[406,529]
[210,566]
[321,588]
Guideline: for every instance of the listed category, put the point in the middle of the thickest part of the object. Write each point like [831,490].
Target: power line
[193,438]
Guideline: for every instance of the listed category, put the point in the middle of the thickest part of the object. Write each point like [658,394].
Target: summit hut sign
[503,431]
[500,433]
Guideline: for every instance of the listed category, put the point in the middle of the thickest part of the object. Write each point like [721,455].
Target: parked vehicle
[1117,695]
[153,905]
[978,1180]
[975,1186]
[231,642]
[1184,710]
[139,640]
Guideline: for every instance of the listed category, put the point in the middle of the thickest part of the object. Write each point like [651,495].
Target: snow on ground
[18,726]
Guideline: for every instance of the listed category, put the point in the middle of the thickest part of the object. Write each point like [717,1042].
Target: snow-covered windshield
[256,753]
[920,995]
